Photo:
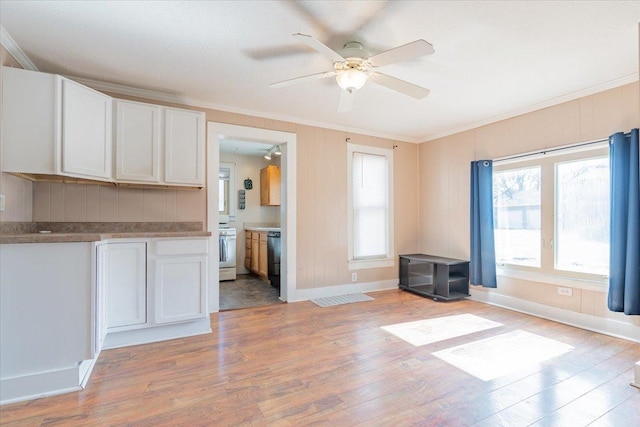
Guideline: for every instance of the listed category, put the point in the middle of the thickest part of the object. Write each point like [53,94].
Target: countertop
[262,228]
[94,232]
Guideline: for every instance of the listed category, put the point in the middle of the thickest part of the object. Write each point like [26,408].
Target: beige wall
[17,191]
[249,167]
[444,179]
[59,202]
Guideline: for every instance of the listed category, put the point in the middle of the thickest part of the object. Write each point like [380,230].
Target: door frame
[287,141]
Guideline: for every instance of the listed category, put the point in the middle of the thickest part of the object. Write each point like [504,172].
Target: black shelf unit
[434,276]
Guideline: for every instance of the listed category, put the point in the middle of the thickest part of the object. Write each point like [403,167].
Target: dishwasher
[273,258]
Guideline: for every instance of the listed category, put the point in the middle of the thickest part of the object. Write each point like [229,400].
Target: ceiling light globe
[351,79]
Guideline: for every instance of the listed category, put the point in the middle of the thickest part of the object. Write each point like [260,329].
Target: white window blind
[370,206]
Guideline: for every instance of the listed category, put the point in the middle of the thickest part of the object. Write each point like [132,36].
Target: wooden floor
[299,364]
[247,291]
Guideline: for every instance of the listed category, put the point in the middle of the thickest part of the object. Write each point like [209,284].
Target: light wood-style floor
[299,364]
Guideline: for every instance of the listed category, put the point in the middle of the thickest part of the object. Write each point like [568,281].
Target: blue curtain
[483,254]
[624,261]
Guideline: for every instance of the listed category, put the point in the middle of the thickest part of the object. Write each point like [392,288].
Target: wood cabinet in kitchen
[158,145]
[256,253]
[126,286]
[247,250]
[262,255]
[54,126]
[270,186]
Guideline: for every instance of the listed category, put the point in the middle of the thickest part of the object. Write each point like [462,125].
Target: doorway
[243,140]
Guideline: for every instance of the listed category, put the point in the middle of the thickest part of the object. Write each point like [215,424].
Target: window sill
[362,264]
[589,285]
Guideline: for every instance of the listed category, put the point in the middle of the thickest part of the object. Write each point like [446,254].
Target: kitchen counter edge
[94,237]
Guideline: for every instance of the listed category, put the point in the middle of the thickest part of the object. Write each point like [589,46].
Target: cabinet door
[180,288]
[86,132]
[270,186]
[30,121]
[127,284]
[255,255]
[137,142]
[184,147]
[262,263]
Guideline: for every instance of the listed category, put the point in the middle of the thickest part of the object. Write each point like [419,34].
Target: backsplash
[59,202]
[18,194]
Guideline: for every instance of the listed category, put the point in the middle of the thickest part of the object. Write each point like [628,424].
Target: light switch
[2,203]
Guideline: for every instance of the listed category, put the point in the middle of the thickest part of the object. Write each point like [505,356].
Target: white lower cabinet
[126,284]
[180,288]
[156,290]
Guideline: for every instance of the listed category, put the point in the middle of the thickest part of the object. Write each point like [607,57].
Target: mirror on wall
[226,190]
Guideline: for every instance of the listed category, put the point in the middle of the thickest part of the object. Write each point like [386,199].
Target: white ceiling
[492,59]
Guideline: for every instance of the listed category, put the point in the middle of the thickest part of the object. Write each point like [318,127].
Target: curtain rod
[551,150]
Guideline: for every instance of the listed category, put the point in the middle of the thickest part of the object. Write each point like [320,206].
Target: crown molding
[193,102]
[572,96]
[12,47]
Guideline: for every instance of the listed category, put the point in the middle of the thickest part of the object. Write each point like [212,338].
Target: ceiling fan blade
[303,79]
[414,91]
[345,103]
[402,53]
[320,47]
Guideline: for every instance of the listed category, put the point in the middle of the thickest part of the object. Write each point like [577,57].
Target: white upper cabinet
[184,147]
[54,126]
[159,145]
[138,136]
[86,132]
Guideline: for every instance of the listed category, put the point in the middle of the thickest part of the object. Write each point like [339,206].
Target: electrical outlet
[2,203]
[567,292]
[354,277]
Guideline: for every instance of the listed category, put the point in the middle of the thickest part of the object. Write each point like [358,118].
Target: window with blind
[370,207]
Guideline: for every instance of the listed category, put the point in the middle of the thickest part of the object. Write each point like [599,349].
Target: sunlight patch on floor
[497,356]
[422,332]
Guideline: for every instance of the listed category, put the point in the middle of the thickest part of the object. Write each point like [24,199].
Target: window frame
[547,272]
[230,190]
[388,260]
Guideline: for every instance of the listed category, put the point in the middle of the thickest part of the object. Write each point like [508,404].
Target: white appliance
[227,242]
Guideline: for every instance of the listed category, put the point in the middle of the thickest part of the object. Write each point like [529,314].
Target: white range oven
[227,244]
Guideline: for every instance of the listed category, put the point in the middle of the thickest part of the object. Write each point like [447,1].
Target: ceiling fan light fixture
[351,79]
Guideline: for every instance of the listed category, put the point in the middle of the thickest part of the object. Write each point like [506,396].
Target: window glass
[517,220]
[370,206]
[582,216]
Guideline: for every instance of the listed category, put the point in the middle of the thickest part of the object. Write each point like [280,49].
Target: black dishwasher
[273,258]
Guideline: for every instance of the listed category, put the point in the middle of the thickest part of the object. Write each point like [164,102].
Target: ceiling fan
[354,66]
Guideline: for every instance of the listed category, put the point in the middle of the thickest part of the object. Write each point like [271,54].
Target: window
[551,214]
[226,179]
[516,205]
[370,172]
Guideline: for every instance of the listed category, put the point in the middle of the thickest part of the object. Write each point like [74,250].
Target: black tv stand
[436,277]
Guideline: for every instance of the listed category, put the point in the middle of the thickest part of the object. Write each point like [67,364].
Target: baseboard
[349,288]
[42,384]
[636,375]
[157,333]
[585,321]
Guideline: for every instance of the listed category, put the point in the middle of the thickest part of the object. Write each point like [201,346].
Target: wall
[249,167]
[17,191]
[444,181]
